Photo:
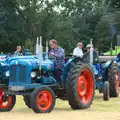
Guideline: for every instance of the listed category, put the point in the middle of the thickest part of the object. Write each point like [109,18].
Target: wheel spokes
[85,86]
[117,82]
[1,101]
[43,100]
[1,97]
[83,99]
[7,102]
[82,86]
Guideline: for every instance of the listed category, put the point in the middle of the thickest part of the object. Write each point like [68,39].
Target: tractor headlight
[96,72]
[7,73]
[33,74]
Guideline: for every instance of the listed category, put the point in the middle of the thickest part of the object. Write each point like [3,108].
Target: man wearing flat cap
[96,59]
[86,56]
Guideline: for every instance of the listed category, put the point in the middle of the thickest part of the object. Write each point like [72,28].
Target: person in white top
[78,50]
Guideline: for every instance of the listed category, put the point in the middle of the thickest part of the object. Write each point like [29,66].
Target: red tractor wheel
[113,80]
[80,85]
[85,86]
[42,100]
[117,82]
[7,102]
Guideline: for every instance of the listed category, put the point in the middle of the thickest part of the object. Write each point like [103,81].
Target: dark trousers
[58,74]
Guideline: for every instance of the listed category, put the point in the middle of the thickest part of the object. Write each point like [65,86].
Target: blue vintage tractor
[5,61]
[4,67]
[117,60]
[34,79]
[106,77]
[107,81]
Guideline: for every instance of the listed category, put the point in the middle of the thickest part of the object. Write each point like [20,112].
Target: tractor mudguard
[77,59]
[107,64]
[68,64]
[105,68]
[66,69]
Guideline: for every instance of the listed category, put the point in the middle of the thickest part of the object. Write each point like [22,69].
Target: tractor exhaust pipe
[91,52]
[46,49]
[37,46]
[40,52]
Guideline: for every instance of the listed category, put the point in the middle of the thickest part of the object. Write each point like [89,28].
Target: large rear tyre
[26,99]
[106,91]
[80,86]
[42,100]
[7,102]
[113,80]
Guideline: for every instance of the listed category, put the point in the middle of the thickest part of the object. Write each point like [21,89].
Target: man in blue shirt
[58,56]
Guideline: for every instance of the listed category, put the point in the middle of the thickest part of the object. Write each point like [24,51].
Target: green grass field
[100,110]
[113,105]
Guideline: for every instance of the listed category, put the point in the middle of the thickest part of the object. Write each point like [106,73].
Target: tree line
[67,21]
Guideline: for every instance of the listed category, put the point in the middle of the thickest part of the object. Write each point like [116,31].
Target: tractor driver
[18,51]
[96,59]
[58,56]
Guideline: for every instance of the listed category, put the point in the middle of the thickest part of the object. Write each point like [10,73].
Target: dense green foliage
[67,21]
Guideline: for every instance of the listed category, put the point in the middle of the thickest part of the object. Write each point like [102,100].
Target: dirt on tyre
[42,100]
[113,80]
[26,99]
[80,86]
[106,91]
[7,102]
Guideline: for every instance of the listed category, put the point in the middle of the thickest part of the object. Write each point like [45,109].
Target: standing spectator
[78,50]
[18,51]
[58,55]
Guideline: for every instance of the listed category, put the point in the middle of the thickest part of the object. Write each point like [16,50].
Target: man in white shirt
[78,50]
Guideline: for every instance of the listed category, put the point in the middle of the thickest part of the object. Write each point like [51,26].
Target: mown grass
[113,105]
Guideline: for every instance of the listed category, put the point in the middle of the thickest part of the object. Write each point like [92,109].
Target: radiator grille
[13,71]
[18,73]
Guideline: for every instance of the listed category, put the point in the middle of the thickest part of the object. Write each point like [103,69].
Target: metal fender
[108,63]
[105,68]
